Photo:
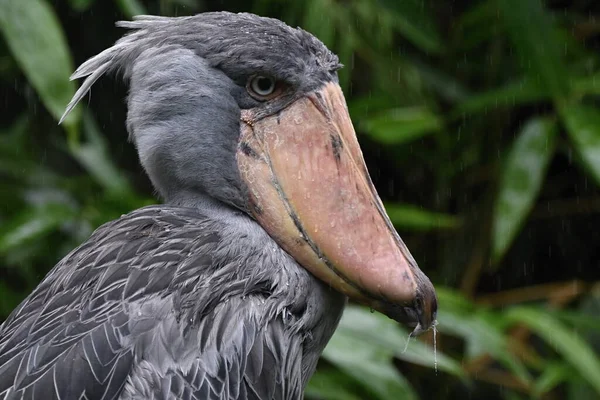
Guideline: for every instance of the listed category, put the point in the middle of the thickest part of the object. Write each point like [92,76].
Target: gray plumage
[192,299]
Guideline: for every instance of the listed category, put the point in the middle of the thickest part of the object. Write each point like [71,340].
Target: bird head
[248,111]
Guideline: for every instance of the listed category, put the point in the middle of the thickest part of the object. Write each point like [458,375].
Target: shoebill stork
[232,287]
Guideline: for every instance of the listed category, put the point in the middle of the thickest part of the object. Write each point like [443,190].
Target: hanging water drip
[435,361]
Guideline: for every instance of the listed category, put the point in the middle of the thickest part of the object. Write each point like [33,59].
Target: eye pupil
[264,84]
[261,86]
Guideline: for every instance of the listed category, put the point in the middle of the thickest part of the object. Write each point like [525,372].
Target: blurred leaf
[511,95]
[32,223]
[477,24]
[521,180]
[587,85]
[369,365]
[583,126]
[553,375]
[10,298]
[331,384]
[446,85]
[482,331]
[411,217]
[360,323]
[565,341]
[583,321]
[37,42]
[80,5]
[537,41]
[94,156]
[481,338]
[401,125]
[579,389]
[318,20]
[454,301]
[131,8]
[415,23]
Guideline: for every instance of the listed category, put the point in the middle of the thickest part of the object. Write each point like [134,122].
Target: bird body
[233,287]
[146,309]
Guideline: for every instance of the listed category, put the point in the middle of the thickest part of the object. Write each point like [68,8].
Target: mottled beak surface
[309,188]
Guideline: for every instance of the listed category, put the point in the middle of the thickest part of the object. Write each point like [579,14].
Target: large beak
[310,190]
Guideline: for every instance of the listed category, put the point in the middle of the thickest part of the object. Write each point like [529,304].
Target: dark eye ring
[262,87]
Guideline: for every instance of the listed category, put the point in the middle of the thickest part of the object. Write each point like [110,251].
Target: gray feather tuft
[110,58]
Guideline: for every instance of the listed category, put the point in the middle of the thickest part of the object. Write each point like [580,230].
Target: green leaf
[583,126]
[411,217]
[553,375]
[384,334]
[565,341]
[415,23]
[318,20]
[587,85]
[538,43]
[482,336]
[331,384]
[483,331]
[94,156]
[36,40]
[521,180]
[582,321]
[370,366]
[10,298]
[511,95]
[80,5]
[454,301]
[33,223]
[131,8]
[477,25]
[401,125]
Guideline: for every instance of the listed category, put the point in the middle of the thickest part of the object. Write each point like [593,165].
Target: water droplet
[435,361]
[407,342]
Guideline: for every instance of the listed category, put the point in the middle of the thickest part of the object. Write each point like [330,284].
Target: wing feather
[138,312]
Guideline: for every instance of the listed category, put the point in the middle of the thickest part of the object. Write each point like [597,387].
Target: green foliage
[480,124]
[37,42]
[521,180]
[565,341]
[583,126]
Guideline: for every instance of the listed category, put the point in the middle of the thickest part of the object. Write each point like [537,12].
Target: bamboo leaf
[80,5]
[482,331]
[318,20]
[37,42]
[415,22]
[370,366]
[565,341]
[360,323]
[401,125]
[481,337]
[538,43]
[553,375]
[331,384]
[587,84]
[411,217]
[522,92]
[93,155]
[521,180]
[583,126]
[131,8]
[33,223]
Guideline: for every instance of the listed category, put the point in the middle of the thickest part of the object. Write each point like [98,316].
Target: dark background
[480,124]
